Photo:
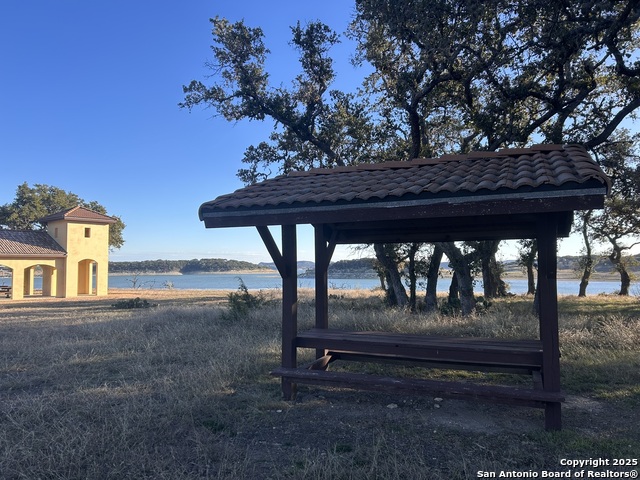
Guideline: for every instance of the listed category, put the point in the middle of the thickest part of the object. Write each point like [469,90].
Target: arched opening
[40,280]
[87,277]
[6,281]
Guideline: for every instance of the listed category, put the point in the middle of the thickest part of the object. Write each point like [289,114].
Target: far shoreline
[226,272]
[562,275]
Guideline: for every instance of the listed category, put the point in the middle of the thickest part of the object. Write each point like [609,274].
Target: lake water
[263,281]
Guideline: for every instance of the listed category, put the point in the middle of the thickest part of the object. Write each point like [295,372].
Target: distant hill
[571,263]
[365,267]
[357,268]
[203,265]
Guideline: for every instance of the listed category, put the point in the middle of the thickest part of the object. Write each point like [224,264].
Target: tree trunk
[493,284]
[397,293]
[488,286]
[618,262]
[587,264]
[527,259]
[431,298]
[454,291]
[587,260]
[625,281]
[416,134]
[531,280]
[467,299]
[497,270]
[465,280]
[413,280]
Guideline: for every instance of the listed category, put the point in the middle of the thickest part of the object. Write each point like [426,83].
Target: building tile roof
[78,213]
[29,243]
[539,168]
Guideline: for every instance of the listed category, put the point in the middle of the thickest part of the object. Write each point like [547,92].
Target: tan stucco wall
[72,236]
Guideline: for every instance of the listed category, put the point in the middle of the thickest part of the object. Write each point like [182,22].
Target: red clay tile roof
[542,168]
[35,243]
[78,213]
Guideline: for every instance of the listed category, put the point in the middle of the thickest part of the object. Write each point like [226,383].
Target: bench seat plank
[454,350]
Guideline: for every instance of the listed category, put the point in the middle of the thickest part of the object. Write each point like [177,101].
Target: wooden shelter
[509,194]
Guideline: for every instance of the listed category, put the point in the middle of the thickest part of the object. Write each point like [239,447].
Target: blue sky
[89,93]
[88,103]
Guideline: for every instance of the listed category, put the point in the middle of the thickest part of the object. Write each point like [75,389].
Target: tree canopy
[500,73]
[34,203]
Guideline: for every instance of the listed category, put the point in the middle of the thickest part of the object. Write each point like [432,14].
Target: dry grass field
[182,390]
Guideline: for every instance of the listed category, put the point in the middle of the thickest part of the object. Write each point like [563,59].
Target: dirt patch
[352,411]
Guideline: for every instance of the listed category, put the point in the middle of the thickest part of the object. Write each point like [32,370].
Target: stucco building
[72,253]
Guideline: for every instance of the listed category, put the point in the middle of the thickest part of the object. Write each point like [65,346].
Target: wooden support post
[548,314]
[321,283]
[289,306]
[287,265]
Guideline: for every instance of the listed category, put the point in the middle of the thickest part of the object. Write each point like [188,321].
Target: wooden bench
[6,290]
[481,354]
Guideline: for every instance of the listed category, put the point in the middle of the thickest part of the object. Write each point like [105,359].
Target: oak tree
[448,76]
[33,203]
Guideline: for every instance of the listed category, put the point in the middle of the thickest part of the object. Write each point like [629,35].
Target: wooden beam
[548,315]
[444,388]
[323,251]
[321,279]
[405,211]
[289,306]
[272,248]
[331,246]
[490,227]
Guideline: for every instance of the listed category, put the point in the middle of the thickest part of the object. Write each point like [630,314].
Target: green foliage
[204,265]
[242,302]
[133,303]
[496,72]
[147,266]
[365,264]
[34,203]
[453,306]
